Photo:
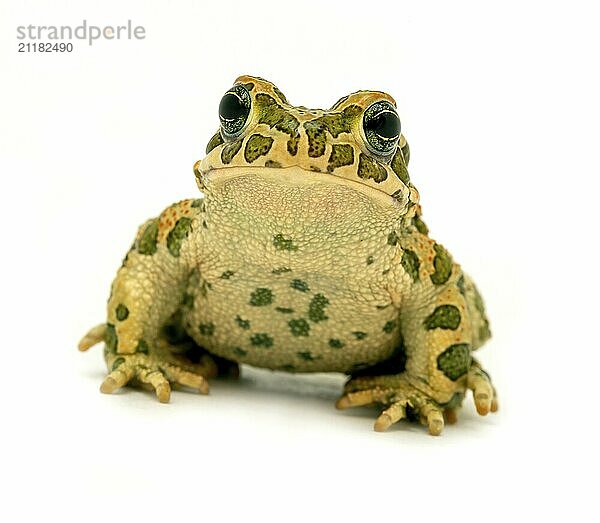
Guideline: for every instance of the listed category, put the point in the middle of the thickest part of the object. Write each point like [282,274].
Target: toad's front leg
[442,321]
[145,296]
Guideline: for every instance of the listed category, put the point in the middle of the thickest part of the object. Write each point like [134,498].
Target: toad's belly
[292,321]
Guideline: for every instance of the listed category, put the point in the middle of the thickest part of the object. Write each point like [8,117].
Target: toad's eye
[234,110]
[382,128]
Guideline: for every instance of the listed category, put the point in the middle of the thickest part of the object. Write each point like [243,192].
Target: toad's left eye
[381,126]
[234,110]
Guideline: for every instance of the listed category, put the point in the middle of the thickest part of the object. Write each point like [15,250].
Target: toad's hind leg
[145,343]
[442,321]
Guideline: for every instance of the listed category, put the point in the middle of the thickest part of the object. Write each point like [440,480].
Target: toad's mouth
[290,179]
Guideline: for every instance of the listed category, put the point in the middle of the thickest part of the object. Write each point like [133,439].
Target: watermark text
[85,31]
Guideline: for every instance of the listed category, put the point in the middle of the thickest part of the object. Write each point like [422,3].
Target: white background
[499,103]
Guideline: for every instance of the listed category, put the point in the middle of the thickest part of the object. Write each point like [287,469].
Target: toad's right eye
[234,110]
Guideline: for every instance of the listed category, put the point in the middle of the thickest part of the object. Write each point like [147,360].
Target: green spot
[275,116]
[207,329]
[443,317]
[341,154]
[261,339]
[442,263]
[282,243]
[249,86]
[284,310]
[370,260]
[261,297]
[306,356]
[410,263]
[339,122]
[420,225]
[239,352]
[142,347]
[288,367]
[177,234]
[215,141]
[243,324]
[257,146]
[389,326]
[226,275]
[399,168]
[393,238]
[334,123]
[335,343]
[230,150]
[273,164]
[281,270]
[316,308]
[454,362]
[117,363]
[359,335]
[110,338]
[122,312]
[406,153]
[317,139]
[199,202]
[299,285]
[299,327]
[148,239]
[371,169]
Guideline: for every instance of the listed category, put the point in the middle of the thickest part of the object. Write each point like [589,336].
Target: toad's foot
[484,393]
[158,368]
[398,396]
[402,398]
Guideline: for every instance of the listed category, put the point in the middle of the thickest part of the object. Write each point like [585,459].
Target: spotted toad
[307,253]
